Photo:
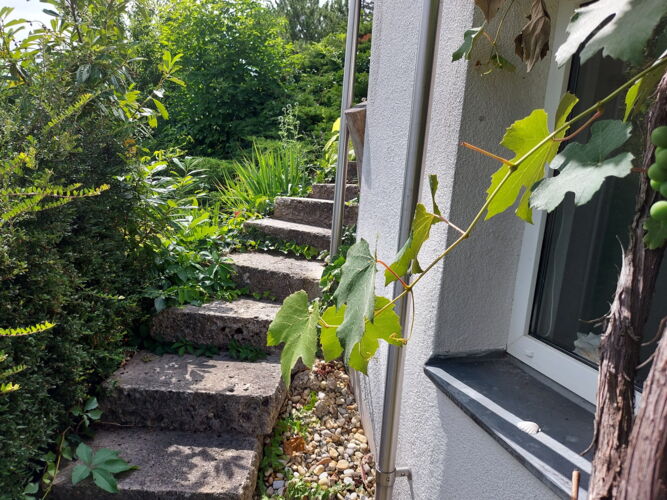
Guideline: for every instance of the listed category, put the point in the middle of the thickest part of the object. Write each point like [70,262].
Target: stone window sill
[497,392]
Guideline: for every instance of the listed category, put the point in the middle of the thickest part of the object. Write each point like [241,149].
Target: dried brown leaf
[489,7]
[294,445]
[532,44]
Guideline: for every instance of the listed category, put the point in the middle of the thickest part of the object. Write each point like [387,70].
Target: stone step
[196,394]
[326,191]
[302,234]
[172,465]
[310,211]
[277,275]
[217,323]
[352,171]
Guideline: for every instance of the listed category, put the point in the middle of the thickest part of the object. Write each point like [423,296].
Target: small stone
[324,475]
[342,465]
[348,480]
[324,482]
[348,472]
[316,437]
[333,453]
[268,472]
[301,470]
[278,484]
[353,496]
[360,437]
[269,491]
[319,469]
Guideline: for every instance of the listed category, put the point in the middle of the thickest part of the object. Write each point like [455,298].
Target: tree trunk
[620,343]
[644,474]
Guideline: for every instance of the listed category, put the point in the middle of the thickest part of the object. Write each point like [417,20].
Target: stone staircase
[194,425]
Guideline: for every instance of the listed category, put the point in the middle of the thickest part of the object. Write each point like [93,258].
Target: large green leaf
[521,137]
[84,453]
[357,290]
[387,326]
[656,233]
[295,324]
[623,37]
[105,480]
[419,233]
[79,473]
[584,167]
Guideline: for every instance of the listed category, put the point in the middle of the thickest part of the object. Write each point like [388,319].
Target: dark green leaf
[433,184]
[91,403]
[656,233]
[79,473]
[469,38]
[84,453]
[584,167]
[104,454]
[105,480]
[295,324]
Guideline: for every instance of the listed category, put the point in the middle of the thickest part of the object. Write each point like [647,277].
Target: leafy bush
[258,179]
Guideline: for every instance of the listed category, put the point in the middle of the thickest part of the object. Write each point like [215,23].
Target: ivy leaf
[357,290]
[624,36]
[521,137]
[105,480]
[79,473]
[387,327]
[656,233]
[419,233]
[584,167]
[533,41]
[84,453]
[469,38]
[489,7]
[295,324]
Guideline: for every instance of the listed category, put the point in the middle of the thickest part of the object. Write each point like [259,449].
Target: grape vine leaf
[469,38]
[656,233]
[357,290]
[419,233]
[521,137]
[638,94]
[433,184]
[489,7]
[295,324]
[532,43]
[584,167]
[387,326]
[623,37]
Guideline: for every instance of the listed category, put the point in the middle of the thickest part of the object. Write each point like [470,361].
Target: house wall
[465,303]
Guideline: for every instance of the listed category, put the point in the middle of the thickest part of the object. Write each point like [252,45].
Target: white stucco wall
[464,304]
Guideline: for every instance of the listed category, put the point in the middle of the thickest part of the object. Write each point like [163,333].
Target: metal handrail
[386,471]
[349,71]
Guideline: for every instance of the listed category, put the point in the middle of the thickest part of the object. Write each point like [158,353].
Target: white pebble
[348,480]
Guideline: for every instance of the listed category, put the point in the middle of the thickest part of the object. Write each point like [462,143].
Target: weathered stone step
[196,394]
[303,234]
[279,276]
[217,323]
[172,465]
[326,191]
[310,211]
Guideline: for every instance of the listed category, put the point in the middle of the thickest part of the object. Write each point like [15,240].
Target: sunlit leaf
[295,324]
[623,37]
[521,137]
[357,290]
[419,233]
[584,167]
[387,327]
[637,95]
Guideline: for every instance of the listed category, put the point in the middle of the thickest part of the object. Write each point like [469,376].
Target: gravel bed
[324,445]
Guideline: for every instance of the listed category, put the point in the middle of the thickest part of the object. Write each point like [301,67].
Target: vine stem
[513,166]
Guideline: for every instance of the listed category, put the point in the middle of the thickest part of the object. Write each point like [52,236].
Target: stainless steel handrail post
[349,70]
[386,462]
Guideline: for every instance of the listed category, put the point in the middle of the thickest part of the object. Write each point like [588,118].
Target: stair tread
[312,211]
[295,226]
[244,320]
[302,234]
[196,394]
[174,465]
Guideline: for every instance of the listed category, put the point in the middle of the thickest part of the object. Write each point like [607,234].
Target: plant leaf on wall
[584,167]
[489,7]
[469,38]
[532,43]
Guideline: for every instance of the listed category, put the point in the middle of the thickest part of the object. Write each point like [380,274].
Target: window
[572,258]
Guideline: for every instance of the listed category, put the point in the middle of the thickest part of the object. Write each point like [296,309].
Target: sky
[30,10]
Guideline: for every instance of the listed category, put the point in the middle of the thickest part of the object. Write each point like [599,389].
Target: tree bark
[621,340]
[644,473]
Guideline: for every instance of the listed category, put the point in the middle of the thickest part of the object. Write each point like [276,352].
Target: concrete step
[310,211]
[280,276]
[172,465]
[352,172]
[196,394]
[217,323]
[326,191]
[302,234]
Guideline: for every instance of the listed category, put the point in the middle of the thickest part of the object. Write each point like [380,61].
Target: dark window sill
[498,391]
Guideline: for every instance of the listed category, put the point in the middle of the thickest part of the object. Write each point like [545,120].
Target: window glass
[582,249]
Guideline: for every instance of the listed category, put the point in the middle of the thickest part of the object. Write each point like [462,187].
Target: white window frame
[564,369]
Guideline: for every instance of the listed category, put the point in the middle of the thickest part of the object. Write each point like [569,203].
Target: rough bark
[620,343]
[644,473]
